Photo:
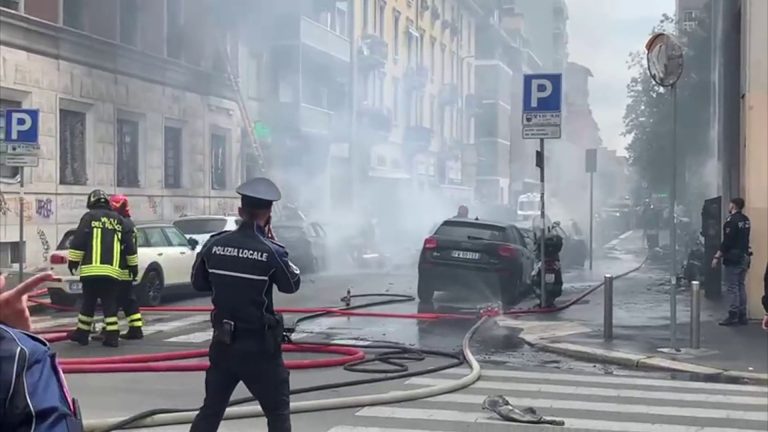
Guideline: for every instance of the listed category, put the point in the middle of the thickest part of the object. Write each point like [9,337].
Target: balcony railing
[300,29]
[301,117]
[416,77]
[417,138]
[377,119]
[374,52]
[449,94]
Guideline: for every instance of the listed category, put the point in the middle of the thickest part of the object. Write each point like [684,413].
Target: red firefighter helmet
[119,203]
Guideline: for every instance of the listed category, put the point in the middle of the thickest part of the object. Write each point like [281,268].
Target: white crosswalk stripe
[585,402]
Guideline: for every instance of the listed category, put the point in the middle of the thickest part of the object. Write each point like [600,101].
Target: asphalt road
[587,396]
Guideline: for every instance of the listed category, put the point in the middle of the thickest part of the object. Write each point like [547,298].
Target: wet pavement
[503,353]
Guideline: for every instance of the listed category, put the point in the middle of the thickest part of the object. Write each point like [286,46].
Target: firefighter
[126,298]
[97,246]
[240,267]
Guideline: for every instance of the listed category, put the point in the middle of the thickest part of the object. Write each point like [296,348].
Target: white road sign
[19,149]
[19,160]
[538,132]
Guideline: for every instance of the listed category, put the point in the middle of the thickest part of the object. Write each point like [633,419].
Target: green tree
[648,118]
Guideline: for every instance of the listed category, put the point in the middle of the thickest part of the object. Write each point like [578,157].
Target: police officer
[734,253]
[97,246]
[239,267]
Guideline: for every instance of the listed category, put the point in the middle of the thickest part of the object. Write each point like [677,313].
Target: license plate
[465,255]
[549,278]
[75,287]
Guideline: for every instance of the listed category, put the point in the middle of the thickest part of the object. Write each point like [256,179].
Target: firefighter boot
[732,320]
[79,335]
[133,333]
[743,320]
[111,339]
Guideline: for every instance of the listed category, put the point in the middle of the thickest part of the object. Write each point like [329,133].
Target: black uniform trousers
[95,289]
[264,375]
[126,300]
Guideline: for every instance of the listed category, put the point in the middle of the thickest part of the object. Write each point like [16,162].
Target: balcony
[449,94]
[471,104]
[376,119]
[417,139]
[302,117]
[374,52]
[416,78]
[293,29]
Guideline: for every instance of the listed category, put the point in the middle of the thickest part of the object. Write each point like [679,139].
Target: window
[396,99]
[432,122]
[396,35]
[11,4]
[152,237]
[341,19]
[172,157]
[10,252]
[432,58]
[254,75]
[127,153]
[382,10]
[7,173]
[174,38]
[366,15]
[176,238]
[218,161]
[442,63]
[129,22]
[73,14]
[471,231]
[72,161]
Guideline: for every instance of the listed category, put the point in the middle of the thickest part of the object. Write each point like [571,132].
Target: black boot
[111,339]
[79,335]
[133,333]
[732,320]
[743,319]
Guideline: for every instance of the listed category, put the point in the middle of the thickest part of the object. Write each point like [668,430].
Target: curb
[644,361]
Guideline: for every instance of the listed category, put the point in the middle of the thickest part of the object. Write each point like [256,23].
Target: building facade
[134,98]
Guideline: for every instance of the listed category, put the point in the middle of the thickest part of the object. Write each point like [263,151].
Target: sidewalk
[641,334]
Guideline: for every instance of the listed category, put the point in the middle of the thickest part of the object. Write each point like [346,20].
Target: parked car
[166,257]
[306,243]
[201,228]
[467,254]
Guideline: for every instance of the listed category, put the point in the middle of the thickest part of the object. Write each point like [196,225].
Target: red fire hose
[159,362]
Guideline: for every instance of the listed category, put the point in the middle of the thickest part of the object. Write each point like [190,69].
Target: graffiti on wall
[4,206]
[44,207]
[46,246]
[12,208]
[180,210]
[152,202]
[224,207]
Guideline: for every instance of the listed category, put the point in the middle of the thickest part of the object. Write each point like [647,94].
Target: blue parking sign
[22,125]
[542,93]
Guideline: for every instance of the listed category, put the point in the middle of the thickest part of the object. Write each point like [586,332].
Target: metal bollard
[608,308]
[695,315]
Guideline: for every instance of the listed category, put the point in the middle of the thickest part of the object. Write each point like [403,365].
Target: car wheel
[150,292]
[510,292]
[425,291]
[62,298]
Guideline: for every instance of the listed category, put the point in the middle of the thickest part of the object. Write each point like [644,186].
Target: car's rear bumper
[451,277]
[68,284]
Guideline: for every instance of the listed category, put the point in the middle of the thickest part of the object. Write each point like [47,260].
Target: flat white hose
[321,404]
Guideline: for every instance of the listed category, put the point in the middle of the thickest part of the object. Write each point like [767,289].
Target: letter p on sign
[540,89]
[21,125]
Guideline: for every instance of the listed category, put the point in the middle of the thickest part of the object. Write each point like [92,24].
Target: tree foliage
[649,119]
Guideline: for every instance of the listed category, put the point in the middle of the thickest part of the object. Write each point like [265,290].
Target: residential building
[505,167]
[546,27]
[415,76]
[688,12]
[134,98]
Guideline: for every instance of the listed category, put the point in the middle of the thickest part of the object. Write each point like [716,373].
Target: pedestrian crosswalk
[586,402]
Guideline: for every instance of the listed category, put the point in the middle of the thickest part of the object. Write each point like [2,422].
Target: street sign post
[20,147]
[591,167]
[542,117]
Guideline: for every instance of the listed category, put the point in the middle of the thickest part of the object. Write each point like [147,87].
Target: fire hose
[353,360]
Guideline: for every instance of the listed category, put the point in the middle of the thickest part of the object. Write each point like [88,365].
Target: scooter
[553,280]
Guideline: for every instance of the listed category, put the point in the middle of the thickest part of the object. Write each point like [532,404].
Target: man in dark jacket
[765,298]
[734,253]
[33,395]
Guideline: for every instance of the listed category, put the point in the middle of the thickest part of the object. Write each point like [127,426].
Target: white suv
[201,228]
[166,257]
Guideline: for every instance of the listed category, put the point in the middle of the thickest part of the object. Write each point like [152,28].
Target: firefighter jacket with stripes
[130,227]
[33,395]
[99,243]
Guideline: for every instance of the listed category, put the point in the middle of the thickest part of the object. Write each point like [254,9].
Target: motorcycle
[553,273]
